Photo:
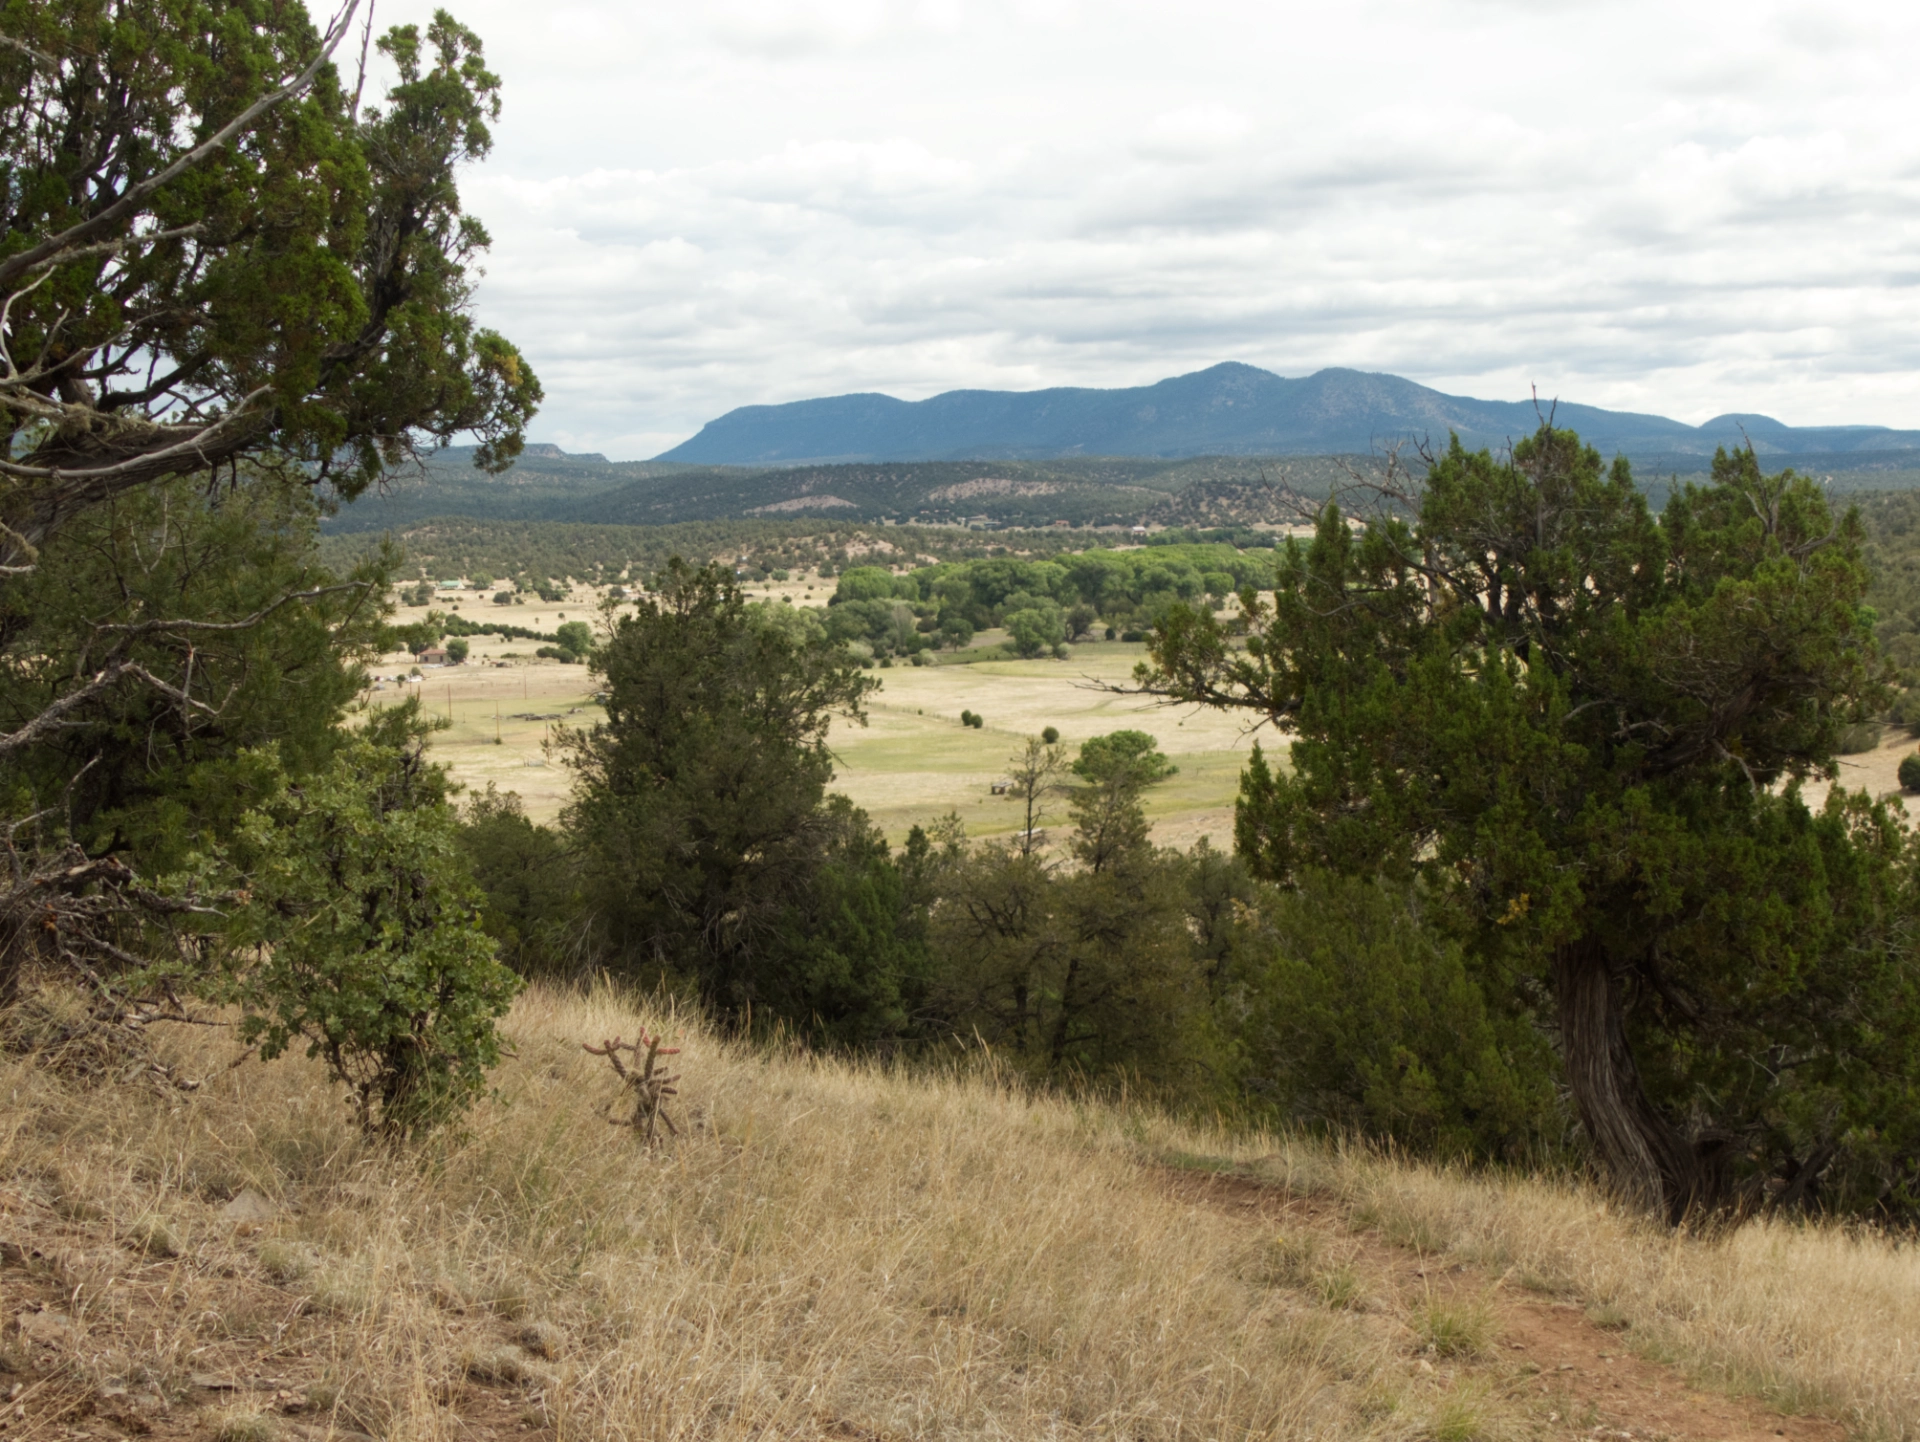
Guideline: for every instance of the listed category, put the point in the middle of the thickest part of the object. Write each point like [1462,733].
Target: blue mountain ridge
[1226,410]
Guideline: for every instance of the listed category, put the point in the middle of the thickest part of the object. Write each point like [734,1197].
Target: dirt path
[1571,1377]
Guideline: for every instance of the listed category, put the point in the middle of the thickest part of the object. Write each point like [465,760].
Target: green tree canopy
[364,932]
[1581,728]
[209,251]
[167,638]
[700,803]
[1110,822]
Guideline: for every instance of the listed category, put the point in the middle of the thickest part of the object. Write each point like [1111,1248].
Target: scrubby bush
[1362,1018]
[1856,739]
[1910,772]
[529,882]
[711,855]
[363,936]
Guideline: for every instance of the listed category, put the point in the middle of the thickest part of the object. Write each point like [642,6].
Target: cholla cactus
[649,1086]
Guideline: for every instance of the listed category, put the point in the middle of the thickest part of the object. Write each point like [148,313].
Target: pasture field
[914,762]
[910,765]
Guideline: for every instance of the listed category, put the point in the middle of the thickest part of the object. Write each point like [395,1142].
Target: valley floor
[838,1250]
[913,762]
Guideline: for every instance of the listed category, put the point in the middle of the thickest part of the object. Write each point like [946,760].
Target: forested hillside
[552,486]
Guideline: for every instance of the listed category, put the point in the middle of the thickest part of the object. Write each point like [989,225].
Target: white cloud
[1193,132]
[1688,209]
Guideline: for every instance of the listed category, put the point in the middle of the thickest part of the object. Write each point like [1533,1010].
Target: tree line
[533,553]
[1042,603]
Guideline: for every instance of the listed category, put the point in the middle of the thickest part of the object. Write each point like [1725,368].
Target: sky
[1684,208]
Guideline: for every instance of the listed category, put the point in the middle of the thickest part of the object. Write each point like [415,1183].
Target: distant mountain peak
[1229,409]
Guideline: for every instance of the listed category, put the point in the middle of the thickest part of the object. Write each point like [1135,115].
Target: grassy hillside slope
[835,1250]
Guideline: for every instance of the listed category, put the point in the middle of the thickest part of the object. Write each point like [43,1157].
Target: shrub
[364,933]
[710,853]
[1361,1018]
[1864,736]
[458,649]
[1910,772]
[1906,710]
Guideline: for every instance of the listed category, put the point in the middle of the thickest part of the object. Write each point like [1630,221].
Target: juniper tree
[1581,727]
[711,851]
[210,250]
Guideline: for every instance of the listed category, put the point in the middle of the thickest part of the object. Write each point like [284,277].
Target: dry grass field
[912,764]
[840,1250]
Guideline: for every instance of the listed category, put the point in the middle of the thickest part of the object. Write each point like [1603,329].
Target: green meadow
[914,761]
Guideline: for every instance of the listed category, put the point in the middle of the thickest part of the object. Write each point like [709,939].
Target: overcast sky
[1687,208]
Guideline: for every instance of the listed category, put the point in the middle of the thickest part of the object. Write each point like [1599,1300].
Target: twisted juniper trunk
[1643,1154]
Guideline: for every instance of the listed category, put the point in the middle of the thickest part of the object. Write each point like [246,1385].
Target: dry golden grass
[830,1246]
[832,1250]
